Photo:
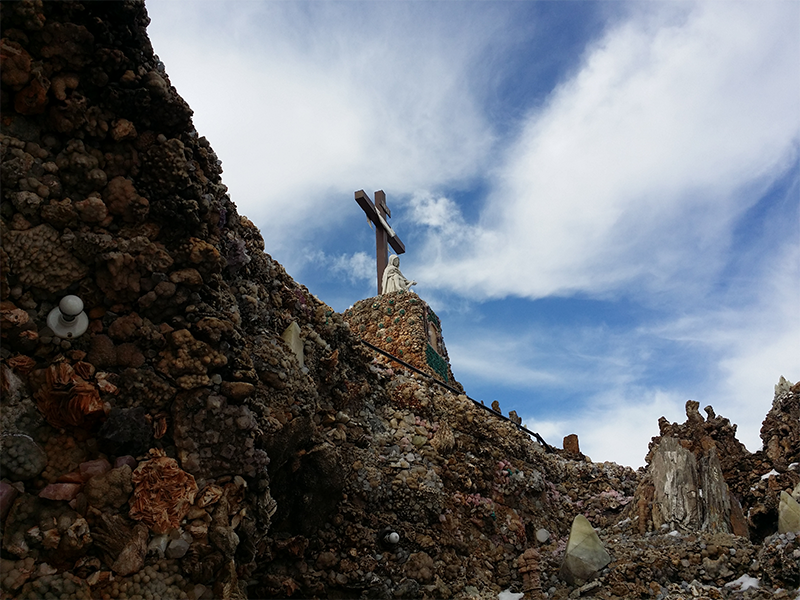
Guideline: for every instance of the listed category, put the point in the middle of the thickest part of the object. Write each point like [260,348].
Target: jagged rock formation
[780,432]
[179,448]
[684,489]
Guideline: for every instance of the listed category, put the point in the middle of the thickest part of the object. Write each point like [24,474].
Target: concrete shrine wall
[403,324]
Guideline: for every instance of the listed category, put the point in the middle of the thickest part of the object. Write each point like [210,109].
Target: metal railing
[458,392]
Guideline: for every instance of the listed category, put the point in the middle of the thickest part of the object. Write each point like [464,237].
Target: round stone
[542,535]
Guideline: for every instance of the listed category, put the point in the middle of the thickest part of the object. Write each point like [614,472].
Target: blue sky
[601,200]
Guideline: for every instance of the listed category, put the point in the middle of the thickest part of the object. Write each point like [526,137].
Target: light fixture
[67,320]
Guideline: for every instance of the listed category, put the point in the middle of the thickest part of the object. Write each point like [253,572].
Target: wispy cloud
[614,428]
[642,161]
[356,267]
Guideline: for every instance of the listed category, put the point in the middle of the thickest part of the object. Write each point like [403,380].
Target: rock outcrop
[684,489]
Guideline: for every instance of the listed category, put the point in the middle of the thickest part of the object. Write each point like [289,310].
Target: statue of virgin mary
[393,280]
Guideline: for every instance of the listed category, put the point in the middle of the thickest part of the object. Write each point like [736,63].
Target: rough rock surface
[403,324]
[179,449]
[684,489]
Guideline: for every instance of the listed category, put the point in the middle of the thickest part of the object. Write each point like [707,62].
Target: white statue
[393,280]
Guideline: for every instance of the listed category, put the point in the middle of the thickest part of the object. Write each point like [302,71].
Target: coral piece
[187,360]
[529,569]
[39,259]
[140,387]
[122,129]
[186,276]
[111,490]
[92,209]
[21,457]
[13,574]
[163,492]
[32,99]
[15,64]
[119,276]
[125,327]
[49,583]
[51,528]
[60,213]
[163,579]
[64,456]
[122,200]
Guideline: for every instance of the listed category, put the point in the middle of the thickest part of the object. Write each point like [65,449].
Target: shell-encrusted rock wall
[403,324]
[108,192]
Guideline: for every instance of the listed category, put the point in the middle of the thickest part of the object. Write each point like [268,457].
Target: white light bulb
[67,320]
[71,307]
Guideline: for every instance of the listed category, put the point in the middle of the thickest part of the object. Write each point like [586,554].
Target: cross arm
[373,215]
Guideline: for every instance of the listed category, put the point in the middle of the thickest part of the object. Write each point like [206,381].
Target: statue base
[403,324]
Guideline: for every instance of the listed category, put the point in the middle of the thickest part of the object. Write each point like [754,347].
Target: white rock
[788,514]
[542,535]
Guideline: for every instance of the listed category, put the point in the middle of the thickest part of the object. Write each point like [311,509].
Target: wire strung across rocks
[457,392]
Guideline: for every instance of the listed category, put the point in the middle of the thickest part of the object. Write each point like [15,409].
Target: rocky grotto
[219,432]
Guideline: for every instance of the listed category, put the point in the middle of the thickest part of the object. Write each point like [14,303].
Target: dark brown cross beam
[378,213]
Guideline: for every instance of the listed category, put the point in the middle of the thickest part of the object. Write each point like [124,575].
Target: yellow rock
[585,554]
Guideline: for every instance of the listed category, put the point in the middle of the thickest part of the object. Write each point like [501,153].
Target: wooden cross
[378,213]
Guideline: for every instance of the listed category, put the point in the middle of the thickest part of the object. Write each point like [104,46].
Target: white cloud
[744,349]
[756,345]
[356,267]
[614,428]
[588,381]
[639,165]
[307,105]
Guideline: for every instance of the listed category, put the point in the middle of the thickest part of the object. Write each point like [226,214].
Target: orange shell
[164,492]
